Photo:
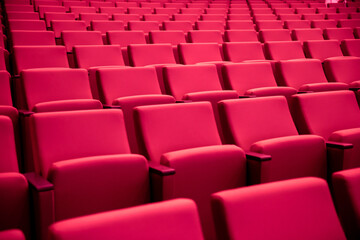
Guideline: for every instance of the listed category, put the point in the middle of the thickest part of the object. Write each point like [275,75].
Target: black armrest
[160,169]
[25,113]
[302,92]
[38,182]
[257,156]
[247,96]
[111,106]
[184,101]
[339,145]
[354,88]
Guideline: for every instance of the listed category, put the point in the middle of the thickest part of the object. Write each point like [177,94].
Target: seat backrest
[145,26]
[245,76]
[53,84]
[50,16]
[351,47]
[295,24]
[322,49]
[157,17]
[351,23]
[313,16]
[138,81]
[186,17]
[8,159]
[19,38]
[239,25]
[148,54]
[323,23]
[307,34]
[23,15]
[246,121]
[67,25]
[174,37]
[94,56]
[140,10]
[237,212]
[111,10]
[269,24]
[27,25]
[205,36]
[125,38]
[104,25]
[27,57]
[178,126]
[191,53]
[296,73]
[238,52]
[73,38]
[241,36]
[68,4]
[342,69]
[338,33]
[126,17]
[210,25]
[5,90]
[81,9]
[46,8]
[88,17]
[338,109]
[77,133]
[184,26]
[346,198]
[284,50]
[173,216]
[274,35]
[180,80]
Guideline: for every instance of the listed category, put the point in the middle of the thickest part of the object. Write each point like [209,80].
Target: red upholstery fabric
[351,47]
[51,16]
[338,33]
[67,25]
[19,37]
[143,54]
[347,200]
[5,95]
[274,35]
[8,158]
[292,209]
[254,79]
[163,220]
[169,36]
[307,34]
[105,25]
[323,23]
[343,70]
[322,49]
[205,36]
[73,38]
[284,50]
[15,24]
[238,52]
[191,53]
[48,88]
[276,136]
[296,24]
[13,234]
[241,36]
[306,75]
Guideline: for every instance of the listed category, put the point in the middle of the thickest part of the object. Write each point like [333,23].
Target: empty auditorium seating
[322,49]
[284,50]
[335,116]
[46,90]
[185,138]
[346,198]
[268,130]
[165,220]
[280,206]
[351,47]
[254,79]
[142,88]
[338,33]
[27,57]
[343,70]
[174,37]
[306,75]
[84,172]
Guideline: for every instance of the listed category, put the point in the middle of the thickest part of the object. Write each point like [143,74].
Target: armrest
[302,92]
[247,96]
[111,106]
[257,156]
[38,182]
[184,101]
[160,169]
[25,113]
[339,145]
[354,88]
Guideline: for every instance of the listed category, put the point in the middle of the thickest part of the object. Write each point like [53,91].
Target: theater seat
[335,116]
[351,47]
[306,75]
[343,70]
[253,79]
[322,49]
[264,126]
[184,136]
[284,50]
[293,209]
[174,219]
[346,198]
[12,234]
[242,51]
[142,88]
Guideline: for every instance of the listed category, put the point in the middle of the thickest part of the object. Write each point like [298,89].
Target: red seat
[334,116]
[50,16]
[306,75]
[239,25]
[307,34]
[88,17]
[338,33]
[280,206]
[323,24]
[274,35]
[191,53]
[205,36]
[274,140]
[351,23]
[296,24]
[186,138]
[67,25]
[12,234]
[165,220]
[19,38]
[254,79]
[284,50]
[210,25]
[19,15]
[27,25]
[241,36]
[111,10]
[184,26]
[343,70]
[75,38]
[238,52]
[47,9]
[126,17]
[351,47]
[81,9]
[269,24]
[140,10]
[186,17]
[290,17]
[346,198]
[313,16]
[336,16]
[322,49]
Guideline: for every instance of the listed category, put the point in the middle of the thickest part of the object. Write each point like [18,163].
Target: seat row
[83,163]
